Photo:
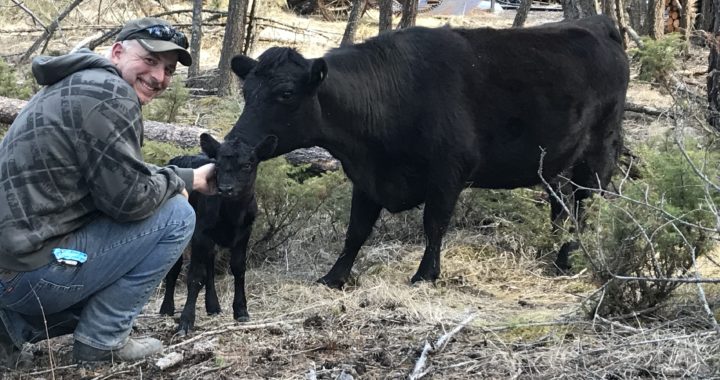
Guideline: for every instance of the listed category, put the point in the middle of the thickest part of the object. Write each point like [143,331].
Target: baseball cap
[156,35]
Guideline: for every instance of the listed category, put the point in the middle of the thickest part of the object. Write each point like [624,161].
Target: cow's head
[236,162]
[280,98]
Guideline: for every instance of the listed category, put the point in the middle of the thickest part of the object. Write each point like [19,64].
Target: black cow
[225,219]
[417,115]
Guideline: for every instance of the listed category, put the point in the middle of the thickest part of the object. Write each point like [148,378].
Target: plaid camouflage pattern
[72,154]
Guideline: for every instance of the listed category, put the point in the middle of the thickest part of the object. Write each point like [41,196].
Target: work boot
[11,356]
[135,349]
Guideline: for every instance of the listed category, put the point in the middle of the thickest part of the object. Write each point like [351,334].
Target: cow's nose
[224,189]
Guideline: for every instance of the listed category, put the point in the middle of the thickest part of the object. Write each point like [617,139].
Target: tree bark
[196,38]
[587,8]
[654,26]
[386,13]
[708,16]
[713,79]
[619,9]
[232,46]
[636,11]
[687,17]
[409,14]
[522,13]
[571,10]
[357,9]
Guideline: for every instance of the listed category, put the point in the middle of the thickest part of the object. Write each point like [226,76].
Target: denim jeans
[100,299]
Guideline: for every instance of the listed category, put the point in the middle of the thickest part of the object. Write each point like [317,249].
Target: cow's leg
[201,248]
[363,214]
[238,259]
[439,206]
[168,304]
[212,304]
[558,216]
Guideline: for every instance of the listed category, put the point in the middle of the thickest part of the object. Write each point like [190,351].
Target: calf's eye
[285,96]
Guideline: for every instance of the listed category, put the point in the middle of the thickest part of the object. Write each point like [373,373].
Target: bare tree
[232,45]
[713,78]
[571,10]
[654,26]
[707,15]
[358,6]
[522,13]
[621,23]
[47,34]
[409,14]
[196,38]
[386,12]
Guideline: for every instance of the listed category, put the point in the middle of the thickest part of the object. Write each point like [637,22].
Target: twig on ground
[438,346]
[226,329]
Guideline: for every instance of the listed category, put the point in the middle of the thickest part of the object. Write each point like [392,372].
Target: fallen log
[187,136]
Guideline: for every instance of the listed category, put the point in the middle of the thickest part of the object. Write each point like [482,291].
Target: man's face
[147,72]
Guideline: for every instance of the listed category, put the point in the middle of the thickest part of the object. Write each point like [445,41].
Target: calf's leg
[238,259]
[168,304]
[212,304]
[202,251]
[363,214]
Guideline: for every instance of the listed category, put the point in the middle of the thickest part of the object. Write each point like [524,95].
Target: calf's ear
[241,65]
[209,145]
[318,72]
[265,149]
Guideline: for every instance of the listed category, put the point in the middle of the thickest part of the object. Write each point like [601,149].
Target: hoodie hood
[49,70]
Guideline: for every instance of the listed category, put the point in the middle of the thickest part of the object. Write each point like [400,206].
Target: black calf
[225,219]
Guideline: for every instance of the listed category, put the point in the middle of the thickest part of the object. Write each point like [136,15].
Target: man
[87,228]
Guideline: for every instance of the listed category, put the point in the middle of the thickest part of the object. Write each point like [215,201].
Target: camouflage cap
[156,35]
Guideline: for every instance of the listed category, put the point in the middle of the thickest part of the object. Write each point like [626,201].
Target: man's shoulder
[99,84]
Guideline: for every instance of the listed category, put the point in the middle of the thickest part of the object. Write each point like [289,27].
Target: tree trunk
[386,13]
[608,9]
[571,10]
[707,15]
[232,46]
[522,13]
[196,38]
[587,8]
[713,79]
[251,33]
[620,20]
[357,9]
[409,14]
[654,26]
[687,17]
[636,11]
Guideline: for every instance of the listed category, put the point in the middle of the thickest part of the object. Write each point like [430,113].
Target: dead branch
[233,327]
[437,347]
[49,31]
[639,108]
[29,12]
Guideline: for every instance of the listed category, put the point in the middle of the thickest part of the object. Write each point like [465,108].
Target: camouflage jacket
[73,154]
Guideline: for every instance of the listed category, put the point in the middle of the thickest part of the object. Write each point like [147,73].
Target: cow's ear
[265,149]
[241,65]
[318,71]
[209,145]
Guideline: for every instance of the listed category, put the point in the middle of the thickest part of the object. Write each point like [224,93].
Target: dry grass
[528,325]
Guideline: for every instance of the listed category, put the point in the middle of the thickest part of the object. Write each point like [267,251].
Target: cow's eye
[246,167]
[285,96]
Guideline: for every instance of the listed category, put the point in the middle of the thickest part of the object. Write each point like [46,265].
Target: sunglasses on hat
[162,32]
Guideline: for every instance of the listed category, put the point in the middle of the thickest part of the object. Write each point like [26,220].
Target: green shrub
[653,229]
[159,153]
[167,106]
[659,57]
[11,86]
[288,206]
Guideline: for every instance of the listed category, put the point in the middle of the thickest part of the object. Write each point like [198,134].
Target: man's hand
[185,194]
[204,179]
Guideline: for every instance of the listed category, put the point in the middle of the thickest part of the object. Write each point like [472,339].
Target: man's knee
[181,216]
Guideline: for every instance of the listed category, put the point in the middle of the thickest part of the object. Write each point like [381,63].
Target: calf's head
[279,90]
[236,162]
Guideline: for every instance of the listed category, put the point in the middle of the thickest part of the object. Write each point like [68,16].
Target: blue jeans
[100,299]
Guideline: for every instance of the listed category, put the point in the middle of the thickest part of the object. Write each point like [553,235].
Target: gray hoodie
[73,154]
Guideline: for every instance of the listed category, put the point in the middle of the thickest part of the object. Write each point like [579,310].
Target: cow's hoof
[184,328]
[213,312]
[169,311]
[243,318]
[331,283]
[422,278]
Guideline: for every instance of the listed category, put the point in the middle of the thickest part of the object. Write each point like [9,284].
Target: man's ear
[209,145]
[265,148]
[116,51]
[241,65]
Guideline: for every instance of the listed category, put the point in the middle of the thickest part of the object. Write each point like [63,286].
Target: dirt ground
[496,312]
